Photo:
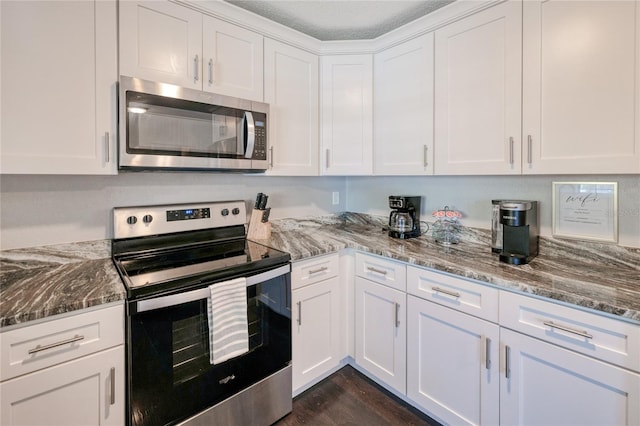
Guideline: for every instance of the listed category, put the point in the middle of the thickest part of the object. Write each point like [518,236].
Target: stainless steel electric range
[180,265]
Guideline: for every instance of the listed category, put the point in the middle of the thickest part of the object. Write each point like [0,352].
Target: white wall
[473,194]
[42,210]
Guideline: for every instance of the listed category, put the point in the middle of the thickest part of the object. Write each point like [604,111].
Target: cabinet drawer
[383,271]
[313,270]
[463,295]
[42,345]
[604,338]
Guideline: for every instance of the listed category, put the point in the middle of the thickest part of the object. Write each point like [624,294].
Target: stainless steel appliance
[519,221]
[169,127]
[172,260]
[404,219]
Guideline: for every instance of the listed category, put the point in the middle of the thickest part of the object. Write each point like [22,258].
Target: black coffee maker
[519,221]
[404,220]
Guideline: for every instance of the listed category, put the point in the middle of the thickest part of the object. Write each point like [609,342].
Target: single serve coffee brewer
[519,222]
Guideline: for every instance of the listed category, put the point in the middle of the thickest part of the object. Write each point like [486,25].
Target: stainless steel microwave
[167,127]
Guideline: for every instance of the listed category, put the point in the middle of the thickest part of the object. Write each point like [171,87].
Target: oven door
[170,375]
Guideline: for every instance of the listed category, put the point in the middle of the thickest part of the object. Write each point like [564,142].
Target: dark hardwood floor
[349,398]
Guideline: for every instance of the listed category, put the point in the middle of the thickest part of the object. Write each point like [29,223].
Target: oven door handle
[203,293]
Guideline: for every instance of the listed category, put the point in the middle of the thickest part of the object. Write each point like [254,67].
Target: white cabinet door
[381,332]
[161,41]
[452,364]
[581,93]
[232,60]
[478,64]
[58,85]
[403,102]
[347,115]
[291,90]
[316,331]
[85,391]
[550,385]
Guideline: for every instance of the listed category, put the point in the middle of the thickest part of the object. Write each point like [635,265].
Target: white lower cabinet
[452,364]
[315,322]
[543,384]
[85,391]
[67,371]
[381,332]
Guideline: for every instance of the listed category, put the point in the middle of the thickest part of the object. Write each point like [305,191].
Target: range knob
[235,211]
[225,212]
[147,218]
[132,220]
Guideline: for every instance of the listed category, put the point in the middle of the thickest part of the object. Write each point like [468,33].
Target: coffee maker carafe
[404,220]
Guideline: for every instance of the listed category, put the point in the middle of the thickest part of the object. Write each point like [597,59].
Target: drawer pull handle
[299,313]
[567,329]
[112,377]
[397,316]
[487,358]
[448,292]
[317,271]
[377,271]
[39,348]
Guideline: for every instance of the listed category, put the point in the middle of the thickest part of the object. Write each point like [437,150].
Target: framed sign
[586,210]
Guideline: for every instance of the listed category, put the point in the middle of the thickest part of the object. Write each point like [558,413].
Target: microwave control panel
[260,144]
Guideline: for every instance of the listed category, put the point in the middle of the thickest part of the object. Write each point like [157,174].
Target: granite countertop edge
[44,281]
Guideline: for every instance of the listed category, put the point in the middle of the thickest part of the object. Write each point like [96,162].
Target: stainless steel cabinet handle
[567,329]
[487,356]
[529,149]
[107,147]
[507,362]
[443,291]
[271,157]
[377,271]
[425,156]
[39,348]
[397,317]
[511,150]
[210,71]
[112,377]
[315,271]
[195,69]
[299,313]
[327,155]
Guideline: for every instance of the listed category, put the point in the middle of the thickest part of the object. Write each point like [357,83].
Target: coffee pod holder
[446,229]
[258,230]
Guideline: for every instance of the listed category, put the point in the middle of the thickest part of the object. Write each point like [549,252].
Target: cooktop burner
[161,249]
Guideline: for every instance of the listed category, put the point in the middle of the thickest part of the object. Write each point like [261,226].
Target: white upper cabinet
[478,73]
[347,115]
[581,110]
[58,85]
[291,90]
[170,43]
[161,41]
[403,102]
[232,60]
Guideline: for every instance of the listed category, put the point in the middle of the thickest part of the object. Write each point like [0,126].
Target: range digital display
[187,214]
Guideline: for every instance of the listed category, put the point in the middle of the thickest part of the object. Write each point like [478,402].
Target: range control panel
[140,221]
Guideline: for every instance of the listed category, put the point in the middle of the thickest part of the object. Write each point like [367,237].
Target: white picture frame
[585,211]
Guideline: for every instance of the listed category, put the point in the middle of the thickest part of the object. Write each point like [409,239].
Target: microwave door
[247,135]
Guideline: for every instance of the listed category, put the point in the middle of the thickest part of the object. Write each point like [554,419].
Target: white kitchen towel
[228,327]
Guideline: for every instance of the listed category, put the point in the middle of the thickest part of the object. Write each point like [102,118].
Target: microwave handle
[248,136]
[203,293]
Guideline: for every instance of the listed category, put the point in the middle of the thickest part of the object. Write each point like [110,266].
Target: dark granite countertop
[603,277]
[39,282]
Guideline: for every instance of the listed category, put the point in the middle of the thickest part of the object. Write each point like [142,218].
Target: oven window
[171,377]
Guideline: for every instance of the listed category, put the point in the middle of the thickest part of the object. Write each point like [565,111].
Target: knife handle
[263,202]
[258,200]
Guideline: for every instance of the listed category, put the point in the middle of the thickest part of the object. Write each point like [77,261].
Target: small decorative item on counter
[446,229]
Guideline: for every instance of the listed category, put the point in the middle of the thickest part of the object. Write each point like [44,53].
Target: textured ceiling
[342,19]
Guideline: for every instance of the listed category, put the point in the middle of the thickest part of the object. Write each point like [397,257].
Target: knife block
[258,230]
